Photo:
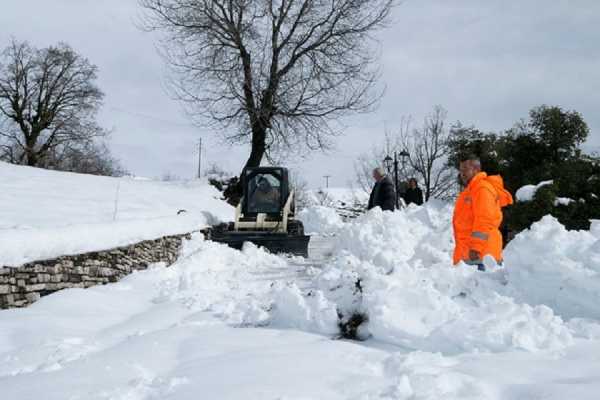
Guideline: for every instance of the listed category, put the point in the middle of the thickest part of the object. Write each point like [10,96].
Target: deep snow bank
[550,265]
[320,220]
[176,332]
[45,214]
[396,269]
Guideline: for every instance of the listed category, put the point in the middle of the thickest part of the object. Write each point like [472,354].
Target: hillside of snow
[45,214]
[228,324]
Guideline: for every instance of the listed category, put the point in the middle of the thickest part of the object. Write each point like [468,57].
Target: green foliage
[522,214]
[469,140]
[544,148]
[561,132]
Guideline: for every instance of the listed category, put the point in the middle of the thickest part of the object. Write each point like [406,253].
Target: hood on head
[504,195]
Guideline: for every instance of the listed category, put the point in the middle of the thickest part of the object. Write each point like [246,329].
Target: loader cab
[266,190]
[265,215]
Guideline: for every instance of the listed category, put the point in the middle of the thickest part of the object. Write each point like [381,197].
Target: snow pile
[414,298]
[242,289]
[395,269]
[249,324]
[179,331]
[549,265]
[527,192]
[432,376]
[321,220]
[45,214]
[337,197]
[563,201]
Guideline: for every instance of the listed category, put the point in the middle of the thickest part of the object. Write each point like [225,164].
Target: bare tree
[428,149]
[428,153]
[48,99]
[93,157]
[277,74]
[300,188]
[394,142]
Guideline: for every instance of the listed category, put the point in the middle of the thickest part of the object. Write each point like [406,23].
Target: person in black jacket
[383,192]
[413,194]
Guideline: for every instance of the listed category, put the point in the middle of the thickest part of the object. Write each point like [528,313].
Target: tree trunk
[257,152]
[30,153]
[31,160]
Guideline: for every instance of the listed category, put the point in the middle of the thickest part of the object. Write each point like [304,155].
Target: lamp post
[387,161]
[388,164]
[404,156]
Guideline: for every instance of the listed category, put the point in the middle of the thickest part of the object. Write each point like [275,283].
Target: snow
[337,195]
[527,192]
[563,201]
[44,214]
[320,219]
[228,324]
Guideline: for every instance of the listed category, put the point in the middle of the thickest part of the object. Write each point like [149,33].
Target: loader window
[264,194]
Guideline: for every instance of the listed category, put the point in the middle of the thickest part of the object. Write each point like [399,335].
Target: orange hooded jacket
[477,217]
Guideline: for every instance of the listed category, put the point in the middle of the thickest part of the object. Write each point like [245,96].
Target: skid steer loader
[265,215]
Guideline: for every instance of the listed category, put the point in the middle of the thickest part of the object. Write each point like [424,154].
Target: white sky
[487,62]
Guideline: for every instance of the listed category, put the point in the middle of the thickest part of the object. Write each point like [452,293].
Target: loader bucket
[273,242]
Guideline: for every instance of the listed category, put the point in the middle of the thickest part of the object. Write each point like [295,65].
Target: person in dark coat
[383,192]
[413,194]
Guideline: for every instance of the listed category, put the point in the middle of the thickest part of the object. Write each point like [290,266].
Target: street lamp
[387,161]
[404,157]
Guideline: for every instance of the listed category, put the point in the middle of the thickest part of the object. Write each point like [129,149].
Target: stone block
[35,288]
[54,269]
[5,289]
[53,287]
[4,302]
[77,270]
[32,297]
[38,268]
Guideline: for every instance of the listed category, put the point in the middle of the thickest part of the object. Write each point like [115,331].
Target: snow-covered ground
[225,324]
[44,213]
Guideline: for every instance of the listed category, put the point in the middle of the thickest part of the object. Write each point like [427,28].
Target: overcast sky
[487,62]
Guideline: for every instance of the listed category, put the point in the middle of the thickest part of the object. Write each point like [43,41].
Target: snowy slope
[47,213]
[224,324]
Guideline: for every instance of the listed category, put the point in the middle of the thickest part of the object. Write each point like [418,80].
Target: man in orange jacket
[478,214]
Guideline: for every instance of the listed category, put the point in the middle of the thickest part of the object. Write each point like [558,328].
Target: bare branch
[47,99]
[281,73]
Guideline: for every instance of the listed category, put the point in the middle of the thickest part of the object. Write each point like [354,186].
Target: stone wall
[21,286]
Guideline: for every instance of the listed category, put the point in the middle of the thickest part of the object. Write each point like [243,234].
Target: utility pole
[199,158]
[396,180]
[327,180]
